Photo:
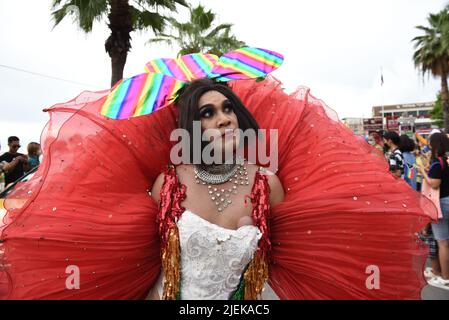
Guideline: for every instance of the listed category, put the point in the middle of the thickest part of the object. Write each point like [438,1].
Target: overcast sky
[337,48]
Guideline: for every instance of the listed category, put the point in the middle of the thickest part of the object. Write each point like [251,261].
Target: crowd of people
[13,165]
[424,165]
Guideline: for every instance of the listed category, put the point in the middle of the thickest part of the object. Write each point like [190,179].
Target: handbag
[433,194]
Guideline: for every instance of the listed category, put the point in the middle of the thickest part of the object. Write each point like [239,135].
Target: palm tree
[121,17]
[436,114]
[432,55]
[199,35]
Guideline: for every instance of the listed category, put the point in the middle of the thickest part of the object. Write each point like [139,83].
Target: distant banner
[422,131]
[393,123]
[372,124]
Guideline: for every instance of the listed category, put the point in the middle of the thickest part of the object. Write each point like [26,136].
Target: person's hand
[22,158]
[426,230]
[421,169]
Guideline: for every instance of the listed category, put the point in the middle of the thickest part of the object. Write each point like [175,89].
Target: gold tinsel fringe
[170,263]
[255,277]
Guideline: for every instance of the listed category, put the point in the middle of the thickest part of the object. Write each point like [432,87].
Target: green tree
[436,114]
[199,34]
[121,18]
[432,55]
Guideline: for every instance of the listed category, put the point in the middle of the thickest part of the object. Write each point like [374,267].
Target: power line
[47,76]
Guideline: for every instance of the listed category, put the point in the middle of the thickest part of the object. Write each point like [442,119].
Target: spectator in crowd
[407,147]
[17,162]
[384,145]
[34,151]
[2,175]
[438,178]
[421,161]
[423,154]
[376,141]
[434,270]
[395,158]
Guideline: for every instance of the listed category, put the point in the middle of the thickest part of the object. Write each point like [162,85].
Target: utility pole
[381,98]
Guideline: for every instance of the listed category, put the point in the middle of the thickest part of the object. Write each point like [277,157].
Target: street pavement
[428,292]
[434,293]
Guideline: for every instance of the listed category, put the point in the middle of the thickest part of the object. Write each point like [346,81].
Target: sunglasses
[15,146]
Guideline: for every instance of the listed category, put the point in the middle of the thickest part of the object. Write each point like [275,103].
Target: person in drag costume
[86,227]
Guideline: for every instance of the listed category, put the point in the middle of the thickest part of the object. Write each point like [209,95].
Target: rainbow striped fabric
[246,63]
[155,89]
[186,68]
[140,95]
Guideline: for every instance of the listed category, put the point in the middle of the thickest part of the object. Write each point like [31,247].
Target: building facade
[355,124]
[406,118]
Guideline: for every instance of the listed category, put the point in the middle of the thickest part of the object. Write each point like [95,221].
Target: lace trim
[213,258]
[221,233]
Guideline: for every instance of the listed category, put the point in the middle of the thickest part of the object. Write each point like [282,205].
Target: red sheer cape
[88,206]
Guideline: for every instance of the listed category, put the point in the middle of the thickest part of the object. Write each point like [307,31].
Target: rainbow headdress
[159,86]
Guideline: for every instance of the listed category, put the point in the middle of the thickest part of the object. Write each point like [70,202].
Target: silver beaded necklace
[213,175]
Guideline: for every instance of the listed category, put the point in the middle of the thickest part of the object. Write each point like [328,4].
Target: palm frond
[167,41]
[142,20]
[199,34]
[432,48]
[201,18]
[425,29]
[84,12]
[216,30]
[154,4]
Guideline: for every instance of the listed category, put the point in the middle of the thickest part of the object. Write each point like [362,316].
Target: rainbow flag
[411,172]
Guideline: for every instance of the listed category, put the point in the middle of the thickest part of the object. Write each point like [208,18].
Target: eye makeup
[208,110]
